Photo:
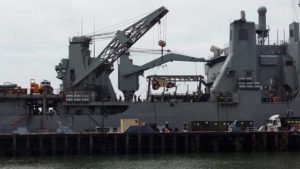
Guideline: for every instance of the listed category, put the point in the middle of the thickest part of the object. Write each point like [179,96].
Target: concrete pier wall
[155,143]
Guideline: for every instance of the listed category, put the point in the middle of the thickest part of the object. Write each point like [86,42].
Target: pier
[12,145]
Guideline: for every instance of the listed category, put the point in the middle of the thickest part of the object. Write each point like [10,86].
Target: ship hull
[175,113]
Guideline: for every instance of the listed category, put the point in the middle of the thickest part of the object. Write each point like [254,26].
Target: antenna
[284,35]
[94,41]
[277,38]
[81,27]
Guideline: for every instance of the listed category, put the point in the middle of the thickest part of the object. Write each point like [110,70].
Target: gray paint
[128,74]
[251,73]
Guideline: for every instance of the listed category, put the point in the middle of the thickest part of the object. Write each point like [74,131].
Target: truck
[276,123]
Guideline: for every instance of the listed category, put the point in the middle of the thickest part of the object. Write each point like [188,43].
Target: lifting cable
[162,39]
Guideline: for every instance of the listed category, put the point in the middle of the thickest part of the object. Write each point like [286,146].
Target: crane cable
[147,51]
[119,25]
[162,39]
[165,35]
[165,28]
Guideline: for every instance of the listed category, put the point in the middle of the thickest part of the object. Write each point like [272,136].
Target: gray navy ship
[249,81]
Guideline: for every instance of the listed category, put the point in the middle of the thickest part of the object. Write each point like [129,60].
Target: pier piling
[119,143]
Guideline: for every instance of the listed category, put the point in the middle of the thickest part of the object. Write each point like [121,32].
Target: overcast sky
[34,34]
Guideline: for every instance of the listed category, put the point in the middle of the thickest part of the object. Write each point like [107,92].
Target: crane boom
[129,73]
[121,43]
[163,59]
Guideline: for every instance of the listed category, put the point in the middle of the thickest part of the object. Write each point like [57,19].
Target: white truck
[274,123]
[277,123]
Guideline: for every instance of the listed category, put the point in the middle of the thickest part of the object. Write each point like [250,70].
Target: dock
[12,145]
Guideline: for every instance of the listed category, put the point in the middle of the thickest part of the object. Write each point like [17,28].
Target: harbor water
[272,160]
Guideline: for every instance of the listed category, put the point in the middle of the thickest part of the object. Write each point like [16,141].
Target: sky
[35,34]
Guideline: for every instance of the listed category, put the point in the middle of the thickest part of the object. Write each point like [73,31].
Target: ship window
[291,33]
[248,73]
[243,34]
[72,75]
[78,112]
[115,129]
[289,63]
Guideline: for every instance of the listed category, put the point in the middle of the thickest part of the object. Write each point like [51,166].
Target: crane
[129,73]
[82,72]
[122,42]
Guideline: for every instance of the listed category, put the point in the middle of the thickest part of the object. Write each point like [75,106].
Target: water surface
[290,160]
